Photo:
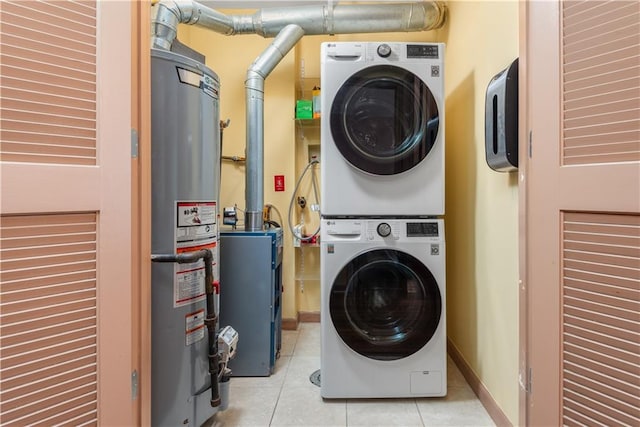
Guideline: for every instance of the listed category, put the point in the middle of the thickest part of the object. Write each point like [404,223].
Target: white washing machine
[382,129]
[383,317]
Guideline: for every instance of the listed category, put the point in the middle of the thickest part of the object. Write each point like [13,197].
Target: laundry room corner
[481,204]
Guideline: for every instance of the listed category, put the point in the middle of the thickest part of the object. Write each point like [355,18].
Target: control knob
[384,229]
[384,50]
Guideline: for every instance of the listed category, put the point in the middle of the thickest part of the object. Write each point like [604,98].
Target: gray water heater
[501,120]
[185,150]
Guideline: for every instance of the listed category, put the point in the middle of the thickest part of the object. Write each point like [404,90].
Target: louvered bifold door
[49,319]
[601,82]
[601,319]
[65,217]
[601,252]
[582,182]
[49,82]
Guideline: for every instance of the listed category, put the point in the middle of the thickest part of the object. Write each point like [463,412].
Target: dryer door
[385,304]
[384,120]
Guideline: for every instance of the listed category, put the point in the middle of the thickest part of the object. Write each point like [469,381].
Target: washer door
[385,304]
[384,120]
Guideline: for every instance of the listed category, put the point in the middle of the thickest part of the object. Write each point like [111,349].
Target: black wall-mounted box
[501,120]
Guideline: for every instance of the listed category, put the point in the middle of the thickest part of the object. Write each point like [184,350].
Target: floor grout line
[302,350]
[284,379]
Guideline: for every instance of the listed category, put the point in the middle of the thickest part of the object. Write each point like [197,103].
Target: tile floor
[288,398]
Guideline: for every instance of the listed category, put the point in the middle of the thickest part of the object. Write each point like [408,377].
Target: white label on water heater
[196,228]
[194,327]
[196,221]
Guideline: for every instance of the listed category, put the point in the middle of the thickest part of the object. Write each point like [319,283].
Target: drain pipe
[254,86]
[211,318]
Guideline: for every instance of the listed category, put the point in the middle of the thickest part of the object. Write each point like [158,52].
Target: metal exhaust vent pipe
[254,86]
[288,25]
[167,14]
[345,19]
[313,19]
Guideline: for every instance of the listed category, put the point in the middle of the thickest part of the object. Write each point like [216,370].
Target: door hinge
[526,380]
[530,143]
[134,143]
[134,385]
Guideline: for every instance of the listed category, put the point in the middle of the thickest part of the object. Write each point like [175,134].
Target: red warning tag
[278,182]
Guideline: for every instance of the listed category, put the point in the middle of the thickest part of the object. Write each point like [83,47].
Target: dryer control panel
[393,52]
[382,52]
[422,51]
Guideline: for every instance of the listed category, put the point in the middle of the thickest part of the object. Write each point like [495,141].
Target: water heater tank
[185,150]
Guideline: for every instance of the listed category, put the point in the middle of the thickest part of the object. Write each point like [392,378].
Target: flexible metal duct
[289,25]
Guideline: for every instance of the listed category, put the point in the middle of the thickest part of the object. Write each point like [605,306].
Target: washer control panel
[387,230]
[383,230]
[422,229]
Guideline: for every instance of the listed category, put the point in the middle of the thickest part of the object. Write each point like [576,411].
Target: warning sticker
[189,285]
[196,221]
[194,327]
[196,229]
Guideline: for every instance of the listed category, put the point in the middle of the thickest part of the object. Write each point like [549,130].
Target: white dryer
[382,129]
[383,329]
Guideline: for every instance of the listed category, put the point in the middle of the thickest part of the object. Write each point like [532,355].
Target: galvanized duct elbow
[167,14]
[254,86]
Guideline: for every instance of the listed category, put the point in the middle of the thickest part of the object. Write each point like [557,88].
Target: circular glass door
[385,304]
[384,120]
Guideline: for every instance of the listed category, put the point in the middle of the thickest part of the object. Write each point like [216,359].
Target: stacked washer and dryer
[382,241]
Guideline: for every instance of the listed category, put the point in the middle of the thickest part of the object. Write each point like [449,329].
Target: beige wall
[307,256]
[481,205]
[230,57]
